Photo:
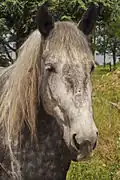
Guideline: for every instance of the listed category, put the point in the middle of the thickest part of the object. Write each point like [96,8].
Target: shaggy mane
[20,94]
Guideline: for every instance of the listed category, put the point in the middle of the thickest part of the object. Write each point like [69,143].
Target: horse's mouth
[81,155]
[83,151]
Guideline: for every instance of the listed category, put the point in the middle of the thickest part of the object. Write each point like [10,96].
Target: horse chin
[81,157]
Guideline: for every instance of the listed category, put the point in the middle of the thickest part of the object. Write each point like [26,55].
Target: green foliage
[17,20]
[108,30]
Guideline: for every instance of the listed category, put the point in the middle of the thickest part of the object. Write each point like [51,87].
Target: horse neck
[47,125]
[52,154]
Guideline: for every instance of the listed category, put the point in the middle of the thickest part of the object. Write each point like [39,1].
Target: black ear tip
[44,20]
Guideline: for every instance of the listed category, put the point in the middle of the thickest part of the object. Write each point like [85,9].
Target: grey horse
[46,117]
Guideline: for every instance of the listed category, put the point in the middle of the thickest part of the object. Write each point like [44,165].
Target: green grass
[105,163]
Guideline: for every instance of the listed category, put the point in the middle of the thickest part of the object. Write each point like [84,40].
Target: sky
[100,59]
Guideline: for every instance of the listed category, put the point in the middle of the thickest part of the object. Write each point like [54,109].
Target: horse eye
[50,68]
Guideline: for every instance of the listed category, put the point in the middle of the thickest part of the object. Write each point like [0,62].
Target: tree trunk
[114,55]
[104,49]
[8,54]
[114,58]
[104,58]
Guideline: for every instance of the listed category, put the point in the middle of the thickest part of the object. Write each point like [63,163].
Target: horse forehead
[74,69]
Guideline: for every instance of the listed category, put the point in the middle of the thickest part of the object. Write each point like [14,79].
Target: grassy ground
[105,163]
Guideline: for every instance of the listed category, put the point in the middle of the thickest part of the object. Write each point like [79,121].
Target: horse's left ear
[88,20]
[44,20]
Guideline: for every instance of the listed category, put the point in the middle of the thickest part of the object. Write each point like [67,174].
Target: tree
[17,22]
[108,31]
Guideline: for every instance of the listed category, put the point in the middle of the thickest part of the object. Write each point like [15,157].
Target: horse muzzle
[81,151]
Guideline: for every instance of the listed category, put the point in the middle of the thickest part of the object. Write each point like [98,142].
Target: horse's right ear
[44,20]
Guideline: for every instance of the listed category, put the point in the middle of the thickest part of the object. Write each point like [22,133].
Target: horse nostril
[79,145]
[76,144]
